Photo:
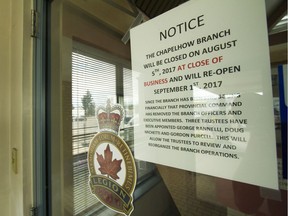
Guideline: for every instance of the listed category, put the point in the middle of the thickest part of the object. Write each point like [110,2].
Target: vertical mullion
[39,111]
[119,82]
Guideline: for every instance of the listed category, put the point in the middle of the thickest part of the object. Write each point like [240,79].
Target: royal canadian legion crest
[111,164]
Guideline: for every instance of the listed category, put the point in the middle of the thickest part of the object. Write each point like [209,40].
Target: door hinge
[33,211]
[34,23]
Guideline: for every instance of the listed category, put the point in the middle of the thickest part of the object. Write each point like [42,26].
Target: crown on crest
[109,118]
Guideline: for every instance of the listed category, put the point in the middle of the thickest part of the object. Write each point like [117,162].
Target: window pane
[93,81]
[144,169]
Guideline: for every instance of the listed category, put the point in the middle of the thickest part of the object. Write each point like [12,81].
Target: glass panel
[89,64]
[130,121]
[93,81]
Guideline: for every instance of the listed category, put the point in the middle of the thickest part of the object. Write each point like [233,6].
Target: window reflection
[93,82]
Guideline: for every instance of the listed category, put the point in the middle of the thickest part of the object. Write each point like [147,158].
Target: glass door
[90,64]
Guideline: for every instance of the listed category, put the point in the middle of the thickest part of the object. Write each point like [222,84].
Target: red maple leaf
[107,166]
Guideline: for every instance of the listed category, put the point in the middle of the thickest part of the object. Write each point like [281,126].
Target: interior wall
[156,202]
[16,107]
[185,192]
[87,30]
[5,20]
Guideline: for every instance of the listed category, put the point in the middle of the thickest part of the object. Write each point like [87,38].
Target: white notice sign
[201,76]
